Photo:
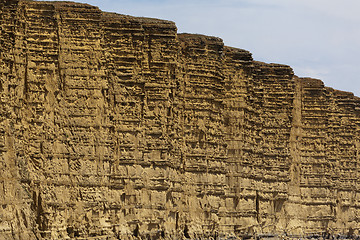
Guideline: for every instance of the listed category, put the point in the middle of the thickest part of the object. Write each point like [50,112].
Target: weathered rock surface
[114,127]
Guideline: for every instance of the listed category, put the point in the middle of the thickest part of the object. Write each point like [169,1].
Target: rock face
[114,127]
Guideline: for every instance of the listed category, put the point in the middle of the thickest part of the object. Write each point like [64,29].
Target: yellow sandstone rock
[117,127]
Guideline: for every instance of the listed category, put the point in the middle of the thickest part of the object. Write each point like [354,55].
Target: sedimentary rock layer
[113,126]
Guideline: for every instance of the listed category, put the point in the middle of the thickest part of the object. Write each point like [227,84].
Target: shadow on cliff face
[186,232]
[72,232]
[136,232]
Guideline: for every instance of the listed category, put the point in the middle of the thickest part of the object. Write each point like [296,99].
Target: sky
[317,38]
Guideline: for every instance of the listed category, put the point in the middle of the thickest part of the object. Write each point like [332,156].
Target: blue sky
[317,38]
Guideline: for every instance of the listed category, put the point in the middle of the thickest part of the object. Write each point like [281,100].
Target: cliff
[117,127]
